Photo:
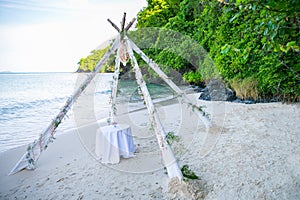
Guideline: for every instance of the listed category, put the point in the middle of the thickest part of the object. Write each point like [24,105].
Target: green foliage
[157,13]
[88,64]
[188,173]
[56,123]
[251,43]
[193,77]
[171,137]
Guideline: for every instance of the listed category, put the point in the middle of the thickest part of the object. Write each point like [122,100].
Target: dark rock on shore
[217,91]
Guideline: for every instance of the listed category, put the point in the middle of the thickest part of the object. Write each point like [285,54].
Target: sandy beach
[250,152]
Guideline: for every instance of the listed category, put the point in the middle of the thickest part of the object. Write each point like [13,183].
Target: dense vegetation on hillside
[252,44]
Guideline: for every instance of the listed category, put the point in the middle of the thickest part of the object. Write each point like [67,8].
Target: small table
[114,141]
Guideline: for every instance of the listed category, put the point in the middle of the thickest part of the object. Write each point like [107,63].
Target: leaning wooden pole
[123,22]
[168,156]
[34,150]
[114,92]
[203,116]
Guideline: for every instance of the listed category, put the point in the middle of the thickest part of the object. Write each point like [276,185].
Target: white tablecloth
[114,141]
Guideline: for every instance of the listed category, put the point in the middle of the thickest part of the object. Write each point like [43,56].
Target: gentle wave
[15,107]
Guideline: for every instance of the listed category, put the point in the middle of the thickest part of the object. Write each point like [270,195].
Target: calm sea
[29,102]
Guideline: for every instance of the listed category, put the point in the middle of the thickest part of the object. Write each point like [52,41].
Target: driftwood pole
[123,22]
[167,153]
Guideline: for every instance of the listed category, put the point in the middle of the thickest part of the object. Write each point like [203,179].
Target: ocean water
[29,102]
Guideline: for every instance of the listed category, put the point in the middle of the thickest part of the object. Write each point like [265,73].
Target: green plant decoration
[188,173]
[171,137]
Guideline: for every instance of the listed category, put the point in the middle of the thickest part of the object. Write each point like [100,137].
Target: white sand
[251,152]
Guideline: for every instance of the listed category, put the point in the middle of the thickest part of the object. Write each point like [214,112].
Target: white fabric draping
[114,141]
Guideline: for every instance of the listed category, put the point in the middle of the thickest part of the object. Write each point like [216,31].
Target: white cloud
[58,45]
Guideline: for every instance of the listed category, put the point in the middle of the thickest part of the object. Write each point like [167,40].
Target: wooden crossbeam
[168,156]
[114,25]
[123,22]
[130,24]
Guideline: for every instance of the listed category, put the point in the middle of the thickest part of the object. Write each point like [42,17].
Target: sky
[53,35]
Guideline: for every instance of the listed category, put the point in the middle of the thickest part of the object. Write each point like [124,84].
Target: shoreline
[251,152]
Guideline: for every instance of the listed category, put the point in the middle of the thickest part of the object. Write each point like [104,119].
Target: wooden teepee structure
[125,51]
